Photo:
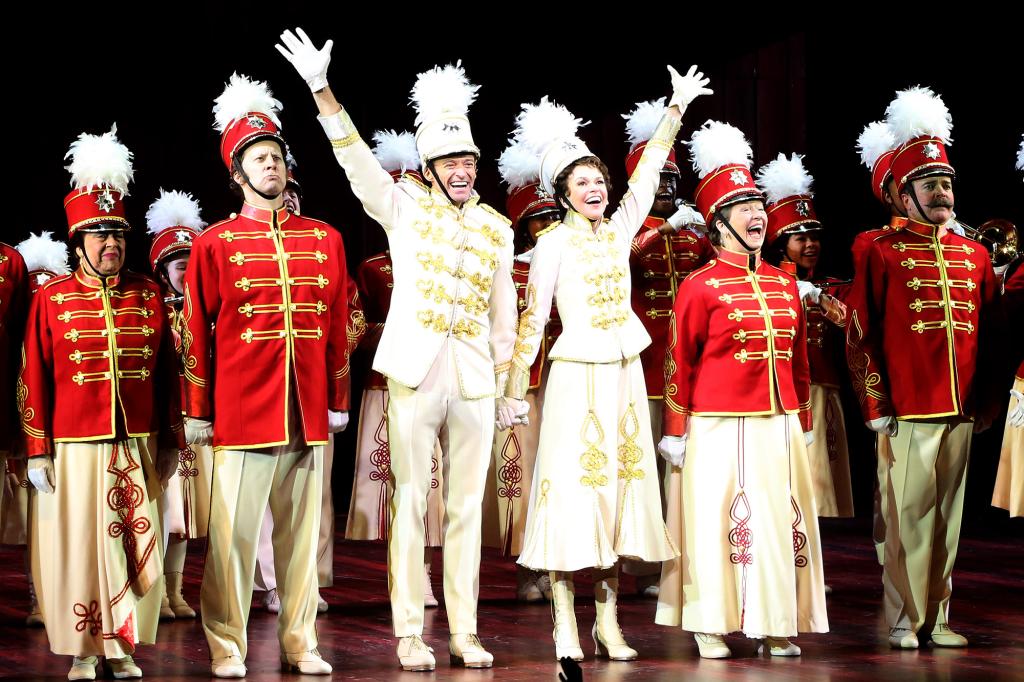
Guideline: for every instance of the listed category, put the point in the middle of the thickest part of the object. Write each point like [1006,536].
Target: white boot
[607,635]
[175,601]
[429,600]
[567,639]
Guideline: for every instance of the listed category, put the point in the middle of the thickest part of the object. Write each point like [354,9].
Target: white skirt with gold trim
[828,455]
[185,503]
[369,511]
[743,511]
[595,493]
[95,547]
[1009,489]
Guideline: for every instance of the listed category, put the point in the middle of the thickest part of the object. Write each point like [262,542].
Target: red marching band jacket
[658,264]
[99,363]
[273,285]
[737,345]
[520,277]
[917,306]
[375,281]
[862,241]
[14,292]
[826,322]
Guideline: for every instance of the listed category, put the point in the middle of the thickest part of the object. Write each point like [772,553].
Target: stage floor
[355,635]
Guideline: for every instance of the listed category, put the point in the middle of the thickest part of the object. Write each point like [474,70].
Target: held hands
[1016,416]
[509,411]
[40,473]
[336,421]
[673,449]
[808,292]
[687,88]
[198,431]
[310,62]
[884,425]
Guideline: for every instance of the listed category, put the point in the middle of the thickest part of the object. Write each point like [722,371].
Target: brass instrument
[999,237]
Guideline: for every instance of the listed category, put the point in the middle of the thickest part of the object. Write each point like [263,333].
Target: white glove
[684,216]
[1016,415]
[808,291]
[40,473]
[673,449]
[509,411]
[336,421]
[687,88]
[310,62]
[198,431]
[884,425]
[808,437]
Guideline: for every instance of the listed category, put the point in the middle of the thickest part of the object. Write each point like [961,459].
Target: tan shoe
[566,635]
[414,654]
[778,646]
[608,639]
[648,585]
[543,583]
[229,666]
[173,598]
[124,668]
[321,603]
[83,668]
[272,601]
[467,651]
[711,646]
[305,663]
[526,586]
[903,638]
[943,636]
[166,612]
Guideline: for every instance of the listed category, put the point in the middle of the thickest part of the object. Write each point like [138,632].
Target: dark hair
[561,183]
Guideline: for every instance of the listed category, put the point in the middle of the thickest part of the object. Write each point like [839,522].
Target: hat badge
[451,128]
[802,209]
[183,236]
[738,177]
[255,121]
[931,150]
[105,201]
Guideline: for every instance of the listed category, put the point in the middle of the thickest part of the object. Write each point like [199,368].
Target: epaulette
[701,269]
[549,228]
[415,182]
[56,280]
[495,213]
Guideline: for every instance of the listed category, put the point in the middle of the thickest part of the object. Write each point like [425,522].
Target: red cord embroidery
[89,618]
[124,498]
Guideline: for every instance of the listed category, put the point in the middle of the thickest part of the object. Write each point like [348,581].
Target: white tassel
[784,177]
[643,120]
[242,96]
[172,209]
[876,139]
[918,111]
[442,90]
[716,144]
[100,161]
[41,252]
[396,151]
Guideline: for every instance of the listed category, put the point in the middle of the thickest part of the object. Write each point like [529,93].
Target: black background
[790,85]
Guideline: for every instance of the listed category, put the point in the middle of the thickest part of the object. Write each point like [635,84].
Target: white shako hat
[441,98]
[548,130]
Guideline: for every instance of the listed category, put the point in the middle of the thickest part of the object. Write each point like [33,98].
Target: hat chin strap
[751,252]
[437,181]
[924,216]
[245,176]
[95,272]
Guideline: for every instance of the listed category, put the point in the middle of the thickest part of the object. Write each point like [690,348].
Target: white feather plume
[1020,155]
[784,177]
[100,161]
[918,111]
[518,165]
[875,140]
[643,121]
[289,161]
[538,125]
[41,252]
[172,209]
[396,151]
[442,90]
[241,96]
[716,144]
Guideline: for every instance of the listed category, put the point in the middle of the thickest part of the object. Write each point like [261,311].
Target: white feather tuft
[41,252]
[784,177]
[875,140]
[1020,155]
[289,161]
[538,125]
[442,90]
[716,144]
[518,165]
[643,121]
[396,151]
[172,209]
[241,96]
[918,111]
[100,161]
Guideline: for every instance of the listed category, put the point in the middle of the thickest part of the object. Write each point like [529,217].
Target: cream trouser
[243,484]
[926,475]
[465,428]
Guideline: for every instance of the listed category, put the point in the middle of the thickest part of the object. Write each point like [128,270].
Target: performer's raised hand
[687,88]
[310,62]
[198,431]
[336,421]
[40,473]
[673,449]
[684,216]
